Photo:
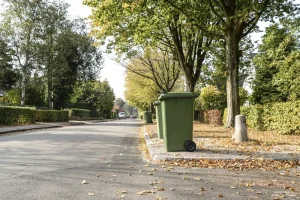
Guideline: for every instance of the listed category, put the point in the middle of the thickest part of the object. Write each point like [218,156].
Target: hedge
[52,115]
[75,112]
[10,115]
[282,117]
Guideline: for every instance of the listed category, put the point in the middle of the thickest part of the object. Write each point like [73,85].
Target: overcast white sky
[111,71]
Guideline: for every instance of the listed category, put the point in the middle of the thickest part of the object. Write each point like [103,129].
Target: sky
[112,71]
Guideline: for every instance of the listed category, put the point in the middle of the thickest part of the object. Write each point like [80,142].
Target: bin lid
[170,95]
[156,103]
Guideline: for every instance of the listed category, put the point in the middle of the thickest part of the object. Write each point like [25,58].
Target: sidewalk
[158,153]
[44,125]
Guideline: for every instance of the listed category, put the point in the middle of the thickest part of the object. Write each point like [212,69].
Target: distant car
[122,115]
[132,116]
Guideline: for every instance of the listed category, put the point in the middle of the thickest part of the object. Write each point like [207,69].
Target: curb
[22,128]
[41,125]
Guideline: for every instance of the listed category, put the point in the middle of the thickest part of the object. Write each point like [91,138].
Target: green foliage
[255,116]
[8,76]
[12,97]
[128,26]
[211,98]
[140,92]
[52,116]
[16,115]
[75,112]
[277,67]
[243,95]
[35,93]
[282,117]
[45,44]
[94,96]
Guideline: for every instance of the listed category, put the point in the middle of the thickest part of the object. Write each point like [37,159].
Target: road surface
[102,161]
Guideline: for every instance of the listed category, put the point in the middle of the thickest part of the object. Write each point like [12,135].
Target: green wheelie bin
[157,105]
[178,117]
[148,117]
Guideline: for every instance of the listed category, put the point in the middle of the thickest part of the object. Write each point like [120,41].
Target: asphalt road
[54,164]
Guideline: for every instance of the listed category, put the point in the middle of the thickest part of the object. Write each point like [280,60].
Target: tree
[277,66]
[93,95]
[156,65]
[151,23]
[236,19]
[140,92]
[8,77]
[52,24]
[120,102]
[19,28]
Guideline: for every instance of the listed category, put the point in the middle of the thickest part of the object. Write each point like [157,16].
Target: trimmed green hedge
[10,115]
[75,112]
[282,117]
[255,116]
[52,115]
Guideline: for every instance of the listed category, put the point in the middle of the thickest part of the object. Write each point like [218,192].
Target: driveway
[102,161]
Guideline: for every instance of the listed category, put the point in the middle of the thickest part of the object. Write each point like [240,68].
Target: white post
[240,129]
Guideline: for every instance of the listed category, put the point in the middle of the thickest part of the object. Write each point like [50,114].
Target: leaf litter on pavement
[216,138]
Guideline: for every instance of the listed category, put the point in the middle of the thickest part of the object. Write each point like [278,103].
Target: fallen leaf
[220,195]
[172,189]
[91,194]
[84,182]
[150,173]
[160,189]
[202,189]
[123,196]
[145,192]
[198,179]
[287,187]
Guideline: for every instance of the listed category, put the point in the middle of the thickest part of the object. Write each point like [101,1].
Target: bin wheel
[190,145]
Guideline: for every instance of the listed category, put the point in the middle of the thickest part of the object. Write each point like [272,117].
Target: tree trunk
[189,84]
[232,88]
[50,75]
[23,85]
[49,86]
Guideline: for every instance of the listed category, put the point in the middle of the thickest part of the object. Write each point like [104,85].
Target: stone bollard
[240,129]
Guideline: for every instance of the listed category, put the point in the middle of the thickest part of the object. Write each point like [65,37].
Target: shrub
[255,116]
[16,115]
[52,115]
[97,114]
[282,117]
[210,98]
[83,113]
